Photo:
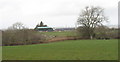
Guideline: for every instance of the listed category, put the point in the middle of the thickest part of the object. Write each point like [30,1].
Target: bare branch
[91,17]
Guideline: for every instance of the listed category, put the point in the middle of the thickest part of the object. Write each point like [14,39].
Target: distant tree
[41,24]
[90,18]
[17,26]
[102,32]
[83,32]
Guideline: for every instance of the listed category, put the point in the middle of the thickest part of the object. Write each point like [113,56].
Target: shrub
[22,36]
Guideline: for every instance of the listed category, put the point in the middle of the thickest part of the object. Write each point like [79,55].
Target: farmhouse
[42,27]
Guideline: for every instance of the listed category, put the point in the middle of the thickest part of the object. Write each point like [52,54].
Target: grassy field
[66,50]
[61,33]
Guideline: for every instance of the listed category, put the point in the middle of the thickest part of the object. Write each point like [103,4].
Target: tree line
[18,34]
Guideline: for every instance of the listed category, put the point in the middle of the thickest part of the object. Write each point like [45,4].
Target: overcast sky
[54,13]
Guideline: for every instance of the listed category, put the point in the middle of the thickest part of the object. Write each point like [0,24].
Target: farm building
[42,27]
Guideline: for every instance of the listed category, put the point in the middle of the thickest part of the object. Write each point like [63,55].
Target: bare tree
[90,18]
[18,26]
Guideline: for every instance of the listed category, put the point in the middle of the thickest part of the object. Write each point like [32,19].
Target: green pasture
[61,33]
[64,50]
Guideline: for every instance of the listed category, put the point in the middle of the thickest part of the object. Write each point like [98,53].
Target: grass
[66,50]
[61,33]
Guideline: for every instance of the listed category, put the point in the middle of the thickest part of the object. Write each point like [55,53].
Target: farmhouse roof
[43,27]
